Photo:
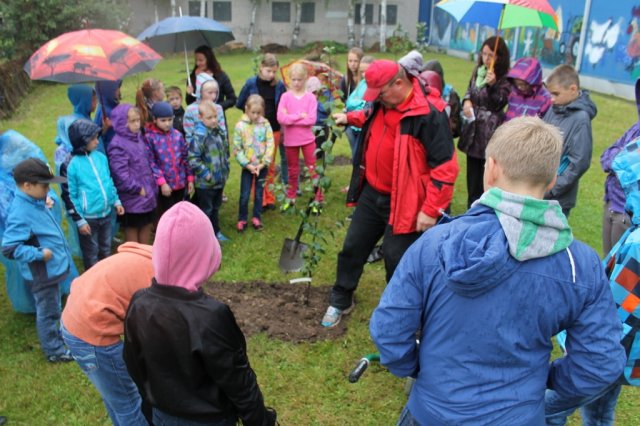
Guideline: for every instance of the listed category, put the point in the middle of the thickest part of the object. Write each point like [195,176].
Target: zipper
[104,193]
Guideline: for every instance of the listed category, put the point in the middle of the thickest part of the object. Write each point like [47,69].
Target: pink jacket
[297,130]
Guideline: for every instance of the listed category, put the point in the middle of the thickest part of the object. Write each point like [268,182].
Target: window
[222,11]
[281,11]
[308,13]
[368,13]
[392,14]
[194,8]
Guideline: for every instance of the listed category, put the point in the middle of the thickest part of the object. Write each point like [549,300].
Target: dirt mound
[279,310]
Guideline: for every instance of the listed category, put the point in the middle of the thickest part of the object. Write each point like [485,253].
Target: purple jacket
[613,193]
[130,165]
[534,103]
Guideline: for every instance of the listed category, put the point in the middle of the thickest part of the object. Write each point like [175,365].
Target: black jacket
[188,357]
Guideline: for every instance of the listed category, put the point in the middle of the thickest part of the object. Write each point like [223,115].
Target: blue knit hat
[161,110]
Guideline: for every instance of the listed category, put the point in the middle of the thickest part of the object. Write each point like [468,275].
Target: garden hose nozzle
[354,376]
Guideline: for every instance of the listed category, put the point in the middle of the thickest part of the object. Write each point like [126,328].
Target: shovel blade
[291,259]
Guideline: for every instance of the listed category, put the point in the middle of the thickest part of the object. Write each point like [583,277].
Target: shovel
[291,256]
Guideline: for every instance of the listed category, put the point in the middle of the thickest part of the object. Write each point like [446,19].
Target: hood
[435,65]
[81,132]
[412,62]
[626,166]
[200,79]
[136,248]
[80,96]
[473,257]
[582,102]
[106,91]
[185,251]
[527,69]
[119,121]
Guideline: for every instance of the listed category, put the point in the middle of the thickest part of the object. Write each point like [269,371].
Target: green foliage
[421,35]
[337,46]
[399,43]
[27,24]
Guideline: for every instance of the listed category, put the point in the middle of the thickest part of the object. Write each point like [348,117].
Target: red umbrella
[90,55]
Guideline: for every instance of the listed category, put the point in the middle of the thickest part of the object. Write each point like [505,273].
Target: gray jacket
[574,121]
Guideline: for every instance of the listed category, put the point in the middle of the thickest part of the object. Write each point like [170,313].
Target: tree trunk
[296,26]
[363,23]
[173,8]
[203,5]
[252,24]
[351,32]
[383,25]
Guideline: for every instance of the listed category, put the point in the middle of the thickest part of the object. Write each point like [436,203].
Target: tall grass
[306,383]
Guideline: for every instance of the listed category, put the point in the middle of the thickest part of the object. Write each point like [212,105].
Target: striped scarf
[534,228]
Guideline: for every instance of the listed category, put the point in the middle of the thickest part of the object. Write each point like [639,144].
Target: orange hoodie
[100,297]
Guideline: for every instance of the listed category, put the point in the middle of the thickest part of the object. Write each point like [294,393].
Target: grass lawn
[306,383]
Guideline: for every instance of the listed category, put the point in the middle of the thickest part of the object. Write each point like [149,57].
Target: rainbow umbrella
[502,14]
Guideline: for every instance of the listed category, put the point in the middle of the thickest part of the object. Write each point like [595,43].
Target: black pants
[475,179]
[369,223]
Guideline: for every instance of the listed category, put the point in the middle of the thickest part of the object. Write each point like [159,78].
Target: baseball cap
[379,74]
[35,170]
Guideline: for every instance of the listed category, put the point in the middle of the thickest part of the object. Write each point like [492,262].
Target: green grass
[306,383]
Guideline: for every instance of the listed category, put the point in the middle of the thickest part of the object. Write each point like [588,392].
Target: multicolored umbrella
[328,76]
[90,55]
[502,14]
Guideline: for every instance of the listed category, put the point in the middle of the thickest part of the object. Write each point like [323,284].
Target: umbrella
[327,75]
[90,55]
[185,32]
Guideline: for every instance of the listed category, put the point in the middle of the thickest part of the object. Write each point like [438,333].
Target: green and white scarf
[534,228]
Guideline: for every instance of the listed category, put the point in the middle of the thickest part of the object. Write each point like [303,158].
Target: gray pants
[614,224]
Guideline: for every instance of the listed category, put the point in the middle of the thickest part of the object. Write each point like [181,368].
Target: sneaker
[375,255]
[221,238]
[349,218]
[316,210]
[289,202]
[257,225]
[333,315]
[63,357]
[268,207]
[241,226]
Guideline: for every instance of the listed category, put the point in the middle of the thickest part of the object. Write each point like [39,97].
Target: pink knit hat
[185,251]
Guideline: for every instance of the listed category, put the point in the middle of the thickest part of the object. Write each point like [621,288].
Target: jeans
[352,136]
[209,201]
[160,418]
[105,368]
[614,224]
[246,179]
[596,410]
[47,301]
[406,419]
[368,225]
[96,246]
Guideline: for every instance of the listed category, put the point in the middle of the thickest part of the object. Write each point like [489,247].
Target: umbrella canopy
[327,75]
[502,14]
[185,32]
[90,55]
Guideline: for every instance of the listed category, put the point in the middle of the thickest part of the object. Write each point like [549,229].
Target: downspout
[583,34]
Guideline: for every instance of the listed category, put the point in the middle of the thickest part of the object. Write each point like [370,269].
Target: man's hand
[46,254]
[424,222]
[340,118]
[119,210]
[166,190]
[85,229]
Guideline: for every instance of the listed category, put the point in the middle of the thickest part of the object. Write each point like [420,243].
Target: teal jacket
[30,228]
[209,157]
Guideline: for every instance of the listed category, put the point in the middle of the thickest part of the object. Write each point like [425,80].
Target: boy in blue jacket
[487,292]
[89,194]
[34,239]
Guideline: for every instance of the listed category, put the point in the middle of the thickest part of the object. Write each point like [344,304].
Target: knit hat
[378,75]
[161,110]
[185,251]
[313,84]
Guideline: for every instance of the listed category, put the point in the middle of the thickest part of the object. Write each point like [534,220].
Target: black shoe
[375,255]
[63,357]
[268,207]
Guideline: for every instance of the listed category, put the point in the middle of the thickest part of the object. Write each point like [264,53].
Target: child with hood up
[528,96]
[109,96]
[175,323]
[83,99]
[129,161]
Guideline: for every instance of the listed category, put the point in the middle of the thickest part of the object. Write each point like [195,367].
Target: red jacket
[425,166]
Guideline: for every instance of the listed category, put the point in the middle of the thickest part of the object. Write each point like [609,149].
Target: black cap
[35,171]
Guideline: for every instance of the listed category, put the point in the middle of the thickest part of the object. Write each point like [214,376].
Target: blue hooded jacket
[107,100]
[485,323]
[81,97]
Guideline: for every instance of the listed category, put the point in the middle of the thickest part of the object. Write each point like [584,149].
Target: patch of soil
[341,160]
[278,309]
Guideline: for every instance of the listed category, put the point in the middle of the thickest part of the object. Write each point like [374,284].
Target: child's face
[92,145]
[158,94]
[254,112]
[268,73]
[209,93]
[562,95]
[94,102]
[165,123]
[209,118]
[522,86]
[297,82]
[362,68]
[38,191]
[488,56]
[174,99]
[353,62]
[133,121]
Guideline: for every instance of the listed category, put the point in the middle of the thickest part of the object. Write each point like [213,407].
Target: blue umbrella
[185,32]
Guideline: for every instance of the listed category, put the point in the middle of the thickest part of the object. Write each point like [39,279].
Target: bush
[336,46]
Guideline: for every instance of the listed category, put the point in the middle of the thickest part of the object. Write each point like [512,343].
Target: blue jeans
[596,410]
[245,192]
[47,301]
[209,201]
[160,418]
[96,246]
[105,368]
[406,419]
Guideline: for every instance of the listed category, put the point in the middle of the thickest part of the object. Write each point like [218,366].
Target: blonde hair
[207,107]
[298,69]
[254,100]
[209,83]
[527,149]
[564,76]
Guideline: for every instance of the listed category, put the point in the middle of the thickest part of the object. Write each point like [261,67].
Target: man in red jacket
[403,175]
